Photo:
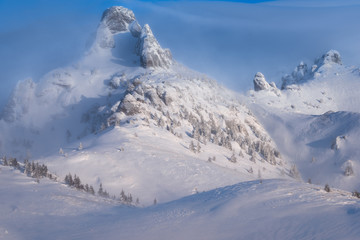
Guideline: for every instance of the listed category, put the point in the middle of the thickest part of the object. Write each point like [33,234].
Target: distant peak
[303,73]
[330,57]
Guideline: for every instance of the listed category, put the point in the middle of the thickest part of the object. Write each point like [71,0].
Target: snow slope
[315,121]
[275,209]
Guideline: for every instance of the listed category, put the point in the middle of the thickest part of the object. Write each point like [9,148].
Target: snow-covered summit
[303,73]
[119,20]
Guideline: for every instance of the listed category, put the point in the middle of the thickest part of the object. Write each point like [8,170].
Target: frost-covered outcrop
[303,73]
[330,57]
[116,20]
[150,51]
[260,82]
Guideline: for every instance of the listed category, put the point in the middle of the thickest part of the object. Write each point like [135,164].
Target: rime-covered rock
[303,73]
[300,73]
[260,82]
[129,105]
[330,57]
[150,51]
[117,19]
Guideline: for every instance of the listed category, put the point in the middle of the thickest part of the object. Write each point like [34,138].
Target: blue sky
[229,41]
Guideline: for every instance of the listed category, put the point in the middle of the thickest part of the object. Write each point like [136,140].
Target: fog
[229,41]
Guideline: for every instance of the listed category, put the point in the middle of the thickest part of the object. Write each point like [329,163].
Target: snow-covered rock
[117,19]
[303,73]
[331,57]
[150,51]
[260,82]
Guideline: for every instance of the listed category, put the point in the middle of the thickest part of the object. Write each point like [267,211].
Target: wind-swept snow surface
[273,209]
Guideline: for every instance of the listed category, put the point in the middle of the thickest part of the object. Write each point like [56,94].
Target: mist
[229,41]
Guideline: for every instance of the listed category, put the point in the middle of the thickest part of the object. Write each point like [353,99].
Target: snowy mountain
[146,124]
[133,123]
[315,119]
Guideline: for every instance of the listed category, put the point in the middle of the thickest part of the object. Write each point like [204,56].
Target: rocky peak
[150,51]
[260,82]
[117,19]
[302,72]
[330,57]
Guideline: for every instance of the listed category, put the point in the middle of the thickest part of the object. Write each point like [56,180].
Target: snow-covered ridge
[315,118]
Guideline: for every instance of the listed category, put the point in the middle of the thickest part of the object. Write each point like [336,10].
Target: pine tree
[100,191]
[80,147]
[233,158]
[198,148]
[5,161]
[155,201]
[91,190]
[192,146]
[61,151]
[327,188]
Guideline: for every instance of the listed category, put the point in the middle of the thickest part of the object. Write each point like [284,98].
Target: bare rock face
[260,82]
[117,19]
[150,51]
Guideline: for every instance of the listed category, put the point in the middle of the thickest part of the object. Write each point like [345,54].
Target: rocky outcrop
[303,73]
[117,19]
[260,82]
[150,51]
[330,57]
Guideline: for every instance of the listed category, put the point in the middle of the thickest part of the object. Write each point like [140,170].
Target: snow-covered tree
[233,158]
[80,147]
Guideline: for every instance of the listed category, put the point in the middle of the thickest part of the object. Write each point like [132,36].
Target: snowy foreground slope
[274,209]
[315,119]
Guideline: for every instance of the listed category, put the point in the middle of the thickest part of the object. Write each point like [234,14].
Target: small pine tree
[309,181]
[137,201]
[356,194]
[209,159]
[192,147]
[61,151]
[5,162]
[241,154]
[327,188]
[198,148]
[155,201]
[80,147]
[100,191]
[233,158]
[91,190]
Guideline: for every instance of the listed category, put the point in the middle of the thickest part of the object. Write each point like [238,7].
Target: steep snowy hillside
[275,209]
[145,123]
[315,119]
